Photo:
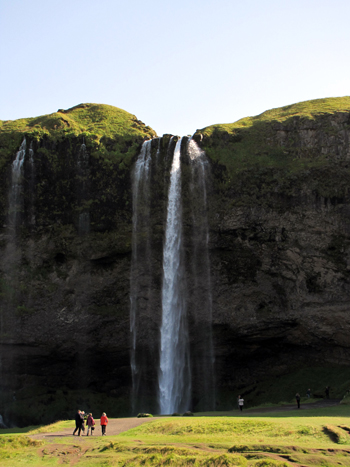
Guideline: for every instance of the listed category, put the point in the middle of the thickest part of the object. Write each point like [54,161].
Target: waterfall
[174,374]
[83,172]
[140,278]
[15,193]
[201,297]
[31,185]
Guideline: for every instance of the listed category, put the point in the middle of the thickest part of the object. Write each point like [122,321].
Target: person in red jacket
[103,423]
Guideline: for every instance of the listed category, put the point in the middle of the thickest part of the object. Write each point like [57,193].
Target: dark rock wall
[280,268]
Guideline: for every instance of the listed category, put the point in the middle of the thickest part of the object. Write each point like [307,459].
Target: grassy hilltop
[250,140]
[98,123]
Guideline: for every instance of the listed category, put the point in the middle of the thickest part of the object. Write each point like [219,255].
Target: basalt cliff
[278,208]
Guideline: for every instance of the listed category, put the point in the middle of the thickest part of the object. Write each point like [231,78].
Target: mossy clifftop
[292,137]
[112,138]
[111,131]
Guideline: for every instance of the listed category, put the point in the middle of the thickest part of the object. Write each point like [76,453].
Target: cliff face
[279,244]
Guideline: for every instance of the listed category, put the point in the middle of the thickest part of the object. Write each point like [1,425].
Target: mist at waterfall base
[176,362]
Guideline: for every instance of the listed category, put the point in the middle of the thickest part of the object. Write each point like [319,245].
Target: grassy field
[317,437]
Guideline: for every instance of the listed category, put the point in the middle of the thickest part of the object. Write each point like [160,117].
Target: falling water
[201,296]
[83,171]
[140,269]
[31,185]
[174,374]
[15,194]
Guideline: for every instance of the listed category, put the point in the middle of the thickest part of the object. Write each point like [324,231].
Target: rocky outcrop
[279,243]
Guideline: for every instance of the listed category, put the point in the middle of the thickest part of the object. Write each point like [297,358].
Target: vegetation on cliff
[114,132]
[299,148]
[253,141]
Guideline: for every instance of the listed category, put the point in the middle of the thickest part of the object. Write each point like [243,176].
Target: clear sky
[178,65]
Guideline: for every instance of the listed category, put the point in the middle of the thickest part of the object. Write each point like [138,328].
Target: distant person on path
[327,392]
[83,416]
[90,424]
[308,393]
[240,403]
[297,397]
[104,423]
[78,422]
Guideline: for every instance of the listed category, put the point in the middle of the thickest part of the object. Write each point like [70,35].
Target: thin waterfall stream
[15,194]
[140,267]
[201,295]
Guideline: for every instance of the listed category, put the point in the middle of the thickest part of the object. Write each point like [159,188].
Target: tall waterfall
[31,185]
[140,278]
[15,193]
[83,172]
[174,374]
[201,297]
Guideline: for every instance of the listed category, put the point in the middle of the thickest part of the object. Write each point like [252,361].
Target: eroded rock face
[280,271]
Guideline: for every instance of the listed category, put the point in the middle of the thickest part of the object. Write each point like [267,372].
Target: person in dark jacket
[297,398]
[90,424]
[78,422]
[327,392]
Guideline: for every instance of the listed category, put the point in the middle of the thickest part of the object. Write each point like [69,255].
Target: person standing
[308,393]
[241,403]
[90,424]
[297,397]
[327,392]
[83,416]
[78,422]
[104,423]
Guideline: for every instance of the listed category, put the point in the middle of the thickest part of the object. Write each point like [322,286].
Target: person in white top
[241,403]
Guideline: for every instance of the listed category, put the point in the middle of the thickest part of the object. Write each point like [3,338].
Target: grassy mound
[247,142]
[97,123]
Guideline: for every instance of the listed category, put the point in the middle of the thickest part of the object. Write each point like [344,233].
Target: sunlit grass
[250,142]
[320,439]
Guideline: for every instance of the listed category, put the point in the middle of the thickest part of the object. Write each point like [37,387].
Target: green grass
[108,131]
[88,119]
[313,438]
[273,390]
[245,143]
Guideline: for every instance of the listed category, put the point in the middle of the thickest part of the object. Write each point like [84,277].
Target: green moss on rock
[252,141]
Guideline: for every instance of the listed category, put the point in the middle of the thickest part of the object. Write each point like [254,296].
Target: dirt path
[114,427]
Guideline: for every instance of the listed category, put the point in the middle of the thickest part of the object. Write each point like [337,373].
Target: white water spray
[83,169]
[201,295]
[174,375]
[140,260]
[15,195]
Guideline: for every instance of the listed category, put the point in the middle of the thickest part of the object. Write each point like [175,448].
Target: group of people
[81,418]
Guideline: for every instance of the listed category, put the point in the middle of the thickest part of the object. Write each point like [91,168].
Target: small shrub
[175,414]
[188,414]
[144,415]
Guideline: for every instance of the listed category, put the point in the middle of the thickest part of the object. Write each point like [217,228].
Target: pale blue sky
[178,65]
